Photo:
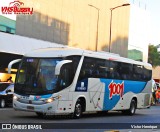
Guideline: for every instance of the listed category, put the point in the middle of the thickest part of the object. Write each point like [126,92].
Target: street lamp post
[110,33]
[97,25]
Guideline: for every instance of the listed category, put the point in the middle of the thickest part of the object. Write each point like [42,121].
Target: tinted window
[114,70]
[94,68]
[125,71]
[37,75]
[68,72]
[100,68]
[137,72]
[88,69]
[103,68]
[147,74]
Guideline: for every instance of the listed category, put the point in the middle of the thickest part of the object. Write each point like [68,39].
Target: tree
[153,56]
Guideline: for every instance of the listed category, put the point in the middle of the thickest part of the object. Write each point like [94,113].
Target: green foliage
[153,56]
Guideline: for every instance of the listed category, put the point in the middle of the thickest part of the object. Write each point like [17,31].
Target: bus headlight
[53,99]
[15,97]
[49,100]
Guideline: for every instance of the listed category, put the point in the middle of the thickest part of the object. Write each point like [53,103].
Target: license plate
[30,107]
[24,97]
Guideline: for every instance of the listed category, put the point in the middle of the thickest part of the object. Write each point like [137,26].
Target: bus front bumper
[48,108]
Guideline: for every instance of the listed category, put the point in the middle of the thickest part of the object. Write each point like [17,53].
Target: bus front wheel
[78,110]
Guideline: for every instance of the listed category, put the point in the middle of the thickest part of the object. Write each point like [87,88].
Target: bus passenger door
[65,80]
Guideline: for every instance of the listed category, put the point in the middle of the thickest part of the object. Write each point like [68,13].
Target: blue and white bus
[72,81]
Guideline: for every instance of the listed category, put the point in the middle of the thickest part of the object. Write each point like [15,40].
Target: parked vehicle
[6,94]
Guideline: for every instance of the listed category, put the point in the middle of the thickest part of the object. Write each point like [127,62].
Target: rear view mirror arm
[11,63]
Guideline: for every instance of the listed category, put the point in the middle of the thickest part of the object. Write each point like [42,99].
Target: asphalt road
[150,116]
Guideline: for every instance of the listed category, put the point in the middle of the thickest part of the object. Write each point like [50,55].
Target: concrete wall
[156,72]
[74,23]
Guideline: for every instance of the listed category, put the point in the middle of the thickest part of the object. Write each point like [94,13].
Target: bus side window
[66,75]
[113,73]
[86,69]
[82,74]
[101,69]
[147,74]
[125,70]
[138,72]
[94,68]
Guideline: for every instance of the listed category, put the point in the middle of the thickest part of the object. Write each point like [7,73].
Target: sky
[152,6]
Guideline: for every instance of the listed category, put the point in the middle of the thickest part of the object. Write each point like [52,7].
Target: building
[7,25]
[90,25]
[99,25]
[139,27]
[78,23]
[156,74]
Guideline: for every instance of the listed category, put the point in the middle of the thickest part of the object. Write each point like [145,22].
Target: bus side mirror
[59,65]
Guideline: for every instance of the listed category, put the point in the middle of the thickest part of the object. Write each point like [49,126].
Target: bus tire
[40,114]
[2,103]
[131,111]
[78,110]
[132,108]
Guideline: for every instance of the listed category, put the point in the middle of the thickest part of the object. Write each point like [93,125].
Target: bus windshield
[36,76]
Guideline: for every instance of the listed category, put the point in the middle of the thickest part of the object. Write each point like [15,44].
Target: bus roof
[67,51]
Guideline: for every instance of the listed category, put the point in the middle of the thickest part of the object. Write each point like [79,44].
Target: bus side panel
[64,106]
[92,90]
[124,102]
[148,87]
[143,101]
[119,92]
[108,94]
[95,95]
[65,101]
